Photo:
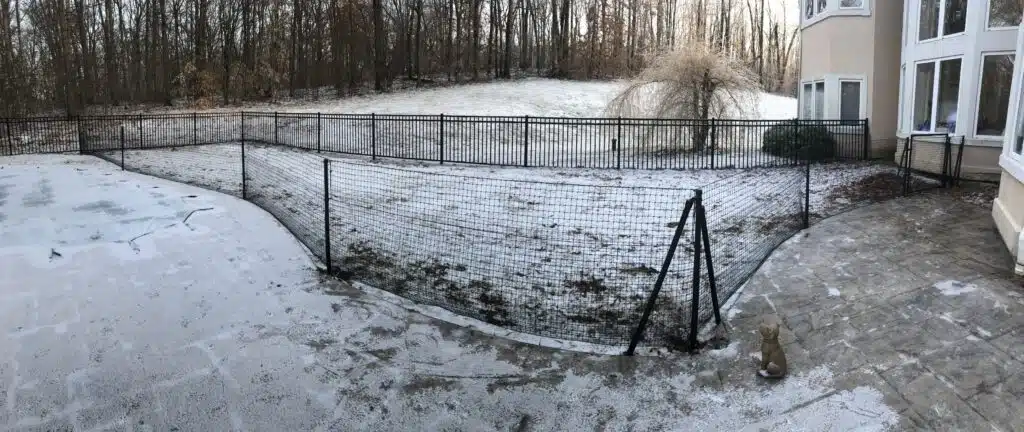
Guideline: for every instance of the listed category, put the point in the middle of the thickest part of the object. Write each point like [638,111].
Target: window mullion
[936,78]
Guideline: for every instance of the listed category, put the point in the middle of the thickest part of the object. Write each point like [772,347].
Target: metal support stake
[327,214]
[275,128]
[867,140]
[702,224]
[695,297]
[441,157]
[649,307]
[318,131]
[195,132]
[373,135]
[141,139]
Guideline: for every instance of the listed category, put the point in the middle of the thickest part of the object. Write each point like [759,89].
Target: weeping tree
[693,83]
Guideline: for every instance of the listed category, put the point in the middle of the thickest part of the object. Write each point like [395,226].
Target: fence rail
[547,256]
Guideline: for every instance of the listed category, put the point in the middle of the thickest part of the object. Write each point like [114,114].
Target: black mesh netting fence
[539,245]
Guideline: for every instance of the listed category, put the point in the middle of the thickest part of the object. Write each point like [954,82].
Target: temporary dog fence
[567,260]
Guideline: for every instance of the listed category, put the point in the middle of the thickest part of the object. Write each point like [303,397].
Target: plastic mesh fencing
[563,260]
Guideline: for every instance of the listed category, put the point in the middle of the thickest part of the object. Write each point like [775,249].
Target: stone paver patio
[915,296]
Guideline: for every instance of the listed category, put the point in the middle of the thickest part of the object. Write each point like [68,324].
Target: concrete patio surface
[916,297]
[130,303]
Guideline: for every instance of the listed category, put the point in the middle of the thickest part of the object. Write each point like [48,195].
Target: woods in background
[68,55]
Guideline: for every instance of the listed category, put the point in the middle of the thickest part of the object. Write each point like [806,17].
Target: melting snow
[955,288]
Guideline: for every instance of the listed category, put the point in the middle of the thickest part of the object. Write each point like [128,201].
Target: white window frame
[863,108]
[1011,160]
[813,98]
[841,7]
[900,118]
[977,99]
[941,24]
[935,94]
[988,19]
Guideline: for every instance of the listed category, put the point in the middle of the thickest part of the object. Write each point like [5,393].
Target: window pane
[1004,13]
[851,3]
[924,84]
[810,8]
[821,5]
[956,17]
[929,26]
[808,101]
[996,74]
[949,94]
[849,100]
[819,100]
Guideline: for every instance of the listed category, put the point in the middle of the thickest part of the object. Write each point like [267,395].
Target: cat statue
[773,360]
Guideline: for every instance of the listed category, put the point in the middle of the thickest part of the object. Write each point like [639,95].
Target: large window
[851,3]
[822,4]
[813,100]
[849,100]
[994,97]
[819,100]
[936,100]
[1004,13]
[941,18]
[808,101]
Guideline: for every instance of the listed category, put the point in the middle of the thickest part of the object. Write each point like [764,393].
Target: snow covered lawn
[564,253]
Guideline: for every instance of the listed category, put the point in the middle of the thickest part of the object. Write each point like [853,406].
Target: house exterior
[929,68]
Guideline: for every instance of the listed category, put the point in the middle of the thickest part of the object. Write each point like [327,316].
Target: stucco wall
[838,45]
[1008,211]
[978,163]
[885,103]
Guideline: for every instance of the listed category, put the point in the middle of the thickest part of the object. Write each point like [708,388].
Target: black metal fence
[576,255]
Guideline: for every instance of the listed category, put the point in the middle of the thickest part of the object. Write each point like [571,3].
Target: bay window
[851,3]
[1004,13]
[812,100]
[819,100]
[994,94]
[822,4]
[936,96]
[941,18]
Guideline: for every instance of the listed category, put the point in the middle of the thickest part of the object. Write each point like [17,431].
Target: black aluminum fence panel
[570,261]
[561,142]
[38,135]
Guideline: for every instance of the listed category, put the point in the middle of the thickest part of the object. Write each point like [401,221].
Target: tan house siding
[837,45]
[1008,211]
[885,85]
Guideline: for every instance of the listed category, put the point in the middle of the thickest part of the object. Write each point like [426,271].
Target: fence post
[441,158]
[122,147]
[141,138]
[10,139]
[649,307]
[807,177]
[327,213]
[714,143]
[867,140]
[373,135]
[526,141]
[318,132]
[195,132]
[245,194]
[695,297]
[618,140]
[275,129]
[81,137]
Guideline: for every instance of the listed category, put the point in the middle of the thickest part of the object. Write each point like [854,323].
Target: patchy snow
[954,288]
[129,291]
[833,292]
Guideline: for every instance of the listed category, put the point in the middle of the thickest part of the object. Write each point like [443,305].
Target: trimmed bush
[785,140]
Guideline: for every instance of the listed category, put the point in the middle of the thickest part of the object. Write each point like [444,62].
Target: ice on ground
[954,288]
[833,292]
